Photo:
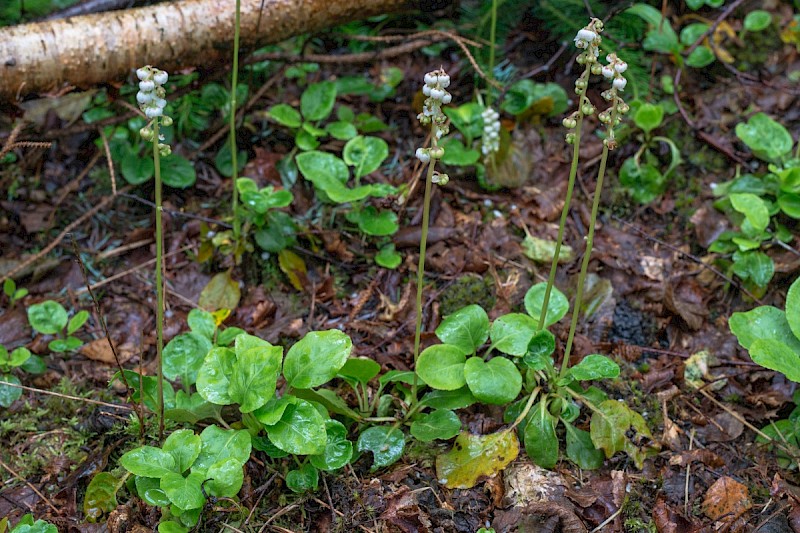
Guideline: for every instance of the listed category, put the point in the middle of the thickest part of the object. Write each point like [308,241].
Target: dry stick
[47,249]
[689,256]
[131,270]
[103,325]
[722,16]
[31,486]
[110,162]
[67,396]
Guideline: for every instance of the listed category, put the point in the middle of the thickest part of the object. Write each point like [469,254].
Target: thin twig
[67,396]
[31,486]
[132,270]
[110,162]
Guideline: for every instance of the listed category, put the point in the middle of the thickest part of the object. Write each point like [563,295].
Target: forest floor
[657,303]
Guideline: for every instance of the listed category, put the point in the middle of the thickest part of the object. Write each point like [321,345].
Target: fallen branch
[91,49]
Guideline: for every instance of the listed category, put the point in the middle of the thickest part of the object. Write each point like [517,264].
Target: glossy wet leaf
[285,115]
[648,117]
[78,320]
[183,356]
[338,450]
[441,366]
[556,308]
[303,479]
[330,400]
[360,369]
[341,130]
[254,376]
[222,292]
[101,496]
[449,399]
[301,430]
[388,257]
[474,457]
[541,441]
[543,250]
[385,443]
[316,358]
[213,378]
[365,154]
[754,266]
[16,358]
[615,427]
[540,350]
[224,478]
[581,450]
[184,492]
[149,490]
[184,447]
[512,333]
[191,408]
[170,526]
[202,322]
[441,424]
[373,221]
[793,307]
[271,412]
[48,317]
[148,461]
[594,366]
[764,322]
[660,36]
[220,444]
[496,381]
[768,139]
[456,154]
[777,356]
[753,208]
[467,328]
[316,102]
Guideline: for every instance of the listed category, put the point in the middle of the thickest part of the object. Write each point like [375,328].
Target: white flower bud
[142,73]
[430,79]
[619,84]
[444,80]
[153,112]
[160,77]
[423,155]
[426,90]
[621,67]
[437,94]
[447,98]
[146,86]
[143,97]
[586,35]
[608,72]
[160,102]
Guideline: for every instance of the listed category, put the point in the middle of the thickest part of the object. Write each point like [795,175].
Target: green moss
[467,290]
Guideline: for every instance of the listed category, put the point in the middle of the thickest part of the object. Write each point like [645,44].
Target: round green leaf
[341,130]
[789,204]
[765,322]
[285,115]
[540,350]
[594,366]
[177,171]
[305,140]
[441,424]
[301,430]
[47,317]
[220,444]
[365,154]
[16,358]
[757,20]
[316,102]
[441,366]
[183,356]
[753,208]
[512,333]
[648,117]
[254,376]
[456,154]
[385,443]
[305,478]
[225,478]
[184,447]
[701,57]
[360,369]
[149,490]
[374,222]
[495,382]
[557,307]
[148,461]
[793,308]
[767,139]
[202,322]
[388,257]
[467,328]
[213,377]
[135,169]
[34,364]
[777,356]
[338,450]
[184,492]
[8,394]
[316,358]
[449,399]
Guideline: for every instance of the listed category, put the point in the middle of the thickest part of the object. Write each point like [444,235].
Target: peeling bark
[91,49]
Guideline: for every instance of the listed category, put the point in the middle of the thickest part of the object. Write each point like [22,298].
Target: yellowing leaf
[222,292]
[294,267]
[726,500]
[475,456]
[220,315]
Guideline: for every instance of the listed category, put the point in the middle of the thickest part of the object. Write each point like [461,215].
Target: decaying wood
[91,49]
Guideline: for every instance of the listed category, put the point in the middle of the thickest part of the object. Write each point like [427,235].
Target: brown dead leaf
[668,521]
[686,301]
[726,500]
[724,427]
[100,350]
[707,457]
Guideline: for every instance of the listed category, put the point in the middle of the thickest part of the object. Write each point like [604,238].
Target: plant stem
[159,281]
[423,244]
[587,255]
[527,408]
[493,44]
[573,172]
[234,163]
